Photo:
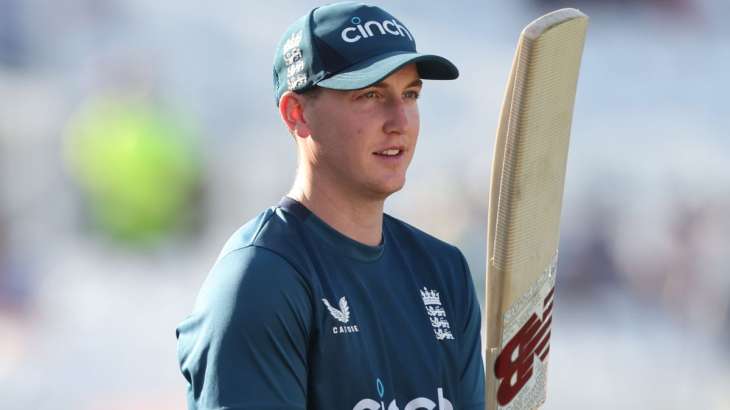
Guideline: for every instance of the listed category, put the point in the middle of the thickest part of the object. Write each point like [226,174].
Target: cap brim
[374,70]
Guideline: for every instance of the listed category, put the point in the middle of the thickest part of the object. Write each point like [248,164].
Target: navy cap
[348,46]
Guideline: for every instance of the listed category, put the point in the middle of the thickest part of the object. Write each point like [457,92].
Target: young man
[324,302]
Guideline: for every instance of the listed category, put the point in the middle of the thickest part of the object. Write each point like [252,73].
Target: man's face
[362,141]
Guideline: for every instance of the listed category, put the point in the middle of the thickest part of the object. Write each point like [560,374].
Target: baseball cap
[348,46]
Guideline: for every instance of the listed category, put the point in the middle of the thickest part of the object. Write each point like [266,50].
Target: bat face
[528,174]
[525,345]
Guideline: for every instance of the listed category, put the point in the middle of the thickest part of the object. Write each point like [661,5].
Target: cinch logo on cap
[338,45]
[365,30]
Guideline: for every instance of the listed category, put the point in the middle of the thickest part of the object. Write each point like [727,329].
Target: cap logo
[386,27]
[294,60]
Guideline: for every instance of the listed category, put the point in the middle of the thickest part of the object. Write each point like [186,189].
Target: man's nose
[398,120]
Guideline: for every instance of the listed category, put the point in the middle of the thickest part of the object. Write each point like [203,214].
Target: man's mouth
[390,152]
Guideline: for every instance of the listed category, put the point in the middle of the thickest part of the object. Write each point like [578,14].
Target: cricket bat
[526,193]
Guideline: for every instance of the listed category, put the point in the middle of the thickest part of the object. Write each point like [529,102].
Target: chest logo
[437,314]
[341,315]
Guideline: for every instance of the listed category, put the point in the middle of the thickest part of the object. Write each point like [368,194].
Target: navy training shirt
[295,315]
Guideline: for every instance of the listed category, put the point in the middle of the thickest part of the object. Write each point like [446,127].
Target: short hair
[311,93]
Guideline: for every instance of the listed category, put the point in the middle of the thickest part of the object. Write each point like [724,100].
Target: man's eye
[370,95]
[412,94]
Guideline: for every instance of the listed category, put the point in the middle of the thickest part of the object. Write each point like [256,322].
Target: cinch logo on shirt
[341,315]
[365,30]
[416,404]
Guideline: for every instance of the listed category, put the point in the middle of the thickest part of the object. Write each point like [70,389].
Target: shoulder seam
[253,239]
[261,227]
[251,245]
[284,258]
[307,281]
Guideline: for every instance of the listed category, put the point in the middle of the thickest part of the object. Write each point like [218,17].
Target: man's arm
[471,383]
[245,345]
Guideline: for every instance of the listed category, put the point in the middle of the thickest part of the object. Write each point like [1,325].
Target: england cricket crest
[520,368]
[436,314]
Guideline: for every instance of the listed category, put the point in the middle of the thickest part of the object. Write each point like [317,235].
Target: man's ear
[291,109]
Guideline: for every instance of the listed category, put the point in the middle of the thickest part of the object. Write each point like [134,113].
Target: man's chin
[383,191]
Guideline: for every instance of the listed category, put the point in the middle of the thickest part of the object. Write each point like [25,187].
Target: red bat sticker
[513,366]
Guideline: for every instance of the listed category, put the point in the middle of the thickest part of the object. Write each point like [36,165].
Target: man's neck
[357,218]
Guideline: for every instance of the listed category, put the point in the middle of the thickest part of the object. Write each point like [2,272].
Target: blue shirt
[295,315]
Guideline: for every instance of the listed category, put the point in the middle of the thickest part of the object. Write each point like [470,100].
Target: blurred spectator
[13,50]
[587,262]
[697,285]
[15,287]
[15,299]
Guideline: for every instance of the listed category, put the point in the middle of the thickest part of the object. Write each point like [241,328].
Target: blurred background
[135,136]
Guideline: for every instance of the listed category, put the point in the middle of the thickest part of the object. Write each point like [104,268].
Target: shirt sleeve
[471,382]
[245,344]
